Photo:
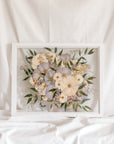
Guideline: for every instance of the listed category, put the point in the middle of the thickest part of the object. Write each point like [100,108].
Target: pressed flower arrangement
[59,79]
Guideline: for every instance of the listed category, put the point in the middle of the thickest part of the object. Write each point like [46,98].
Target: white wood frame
[50,115]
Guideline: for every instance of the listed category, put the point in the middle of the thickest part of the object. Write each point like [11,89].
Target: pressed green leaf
[79,52]
[56,105]
[91,78]
[25,72]
[88,107]
[81,87]
[83,58]
[76,100]
[28,95]
[84,75]
[54,94]
[43,74]
[36,98]
[55,61]
[34,89]
[52,68]
[68,66]
[62,104]
[81,92]
[51,106]
[85,51]
[85,109]
[83,101]
[55,50]
[35,53]
[71,62]
[49,49]
[29,71]
[65,106]
[54,89]
[73,106]
[26,78]
[29,100]
[60,63]
[29,57]
[91,52]
[89,82]
[60,53]
[31,52]
[83,62]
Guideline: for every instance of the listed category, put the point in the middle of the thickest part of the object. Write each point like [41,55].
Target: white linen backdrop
[63,21]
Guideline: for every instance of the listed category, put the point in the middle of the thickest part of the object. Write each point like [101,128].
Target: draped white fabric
[63,21]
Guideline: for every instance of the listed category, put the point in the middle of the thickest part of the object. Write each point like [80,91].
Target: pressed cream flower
[63,98]
[79,79]
[44,98]
[38,59]
[59,84]
[51,56]
[69,105]
[70,85]
[32,81]
[85,83]
[57,76]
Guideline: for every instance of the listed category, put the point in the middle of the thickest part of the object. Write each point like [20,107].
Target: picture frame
[53,115]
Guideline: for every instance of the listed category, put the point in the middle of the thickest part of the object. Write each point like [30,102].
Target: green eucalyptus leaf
[84,75]
[83,101]
[26,78]
[79,52]
[71,62]
[54,89]
[88,107]
[31,52]
[49,49]
[62,104]
[36,98]
[25,72]
[29,57]
[81,92]
[89,82]
[43,74]
[35,53]
[52,68]
[60,53]
[85,109]
[65,106]
[81,87]
[68,66]
[91,78]
[29,100]
[28,95]
[60,63]
[91,52]
[85,51]
[34,89]
[55,50]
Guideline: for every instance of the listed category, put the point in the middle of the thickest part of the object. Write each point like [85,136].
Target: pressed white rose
[63,98]
[69,106]
[85,83]
[57,76]
[79,79]
[38,59]
[32,81]
[44,98]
